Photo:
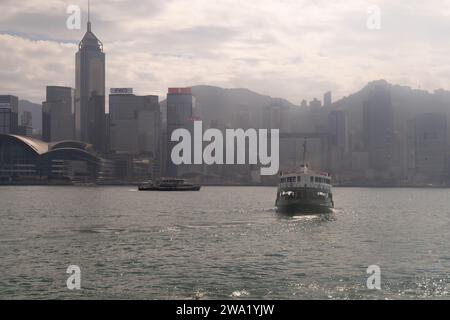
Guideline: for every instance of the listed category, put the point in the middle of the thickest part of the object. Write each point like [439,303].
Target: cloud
[286,48]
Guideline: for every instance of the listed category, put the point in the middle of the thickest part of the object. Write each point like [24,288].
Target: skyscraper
[431,143]
[134,123]
[327,99]
[9,114]
[180,114]
[338,129]
[26,124]
[58,114]
[338,142]
[378,128]
[90,91]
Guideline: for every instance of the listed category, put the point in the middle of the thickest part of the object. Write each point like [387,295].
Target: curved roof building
[71,144]
[38,146]
[27,157]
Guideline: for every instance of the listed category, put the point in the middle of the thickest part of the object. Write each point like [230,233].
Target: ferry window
[317,179]
[299,179]
[312,179]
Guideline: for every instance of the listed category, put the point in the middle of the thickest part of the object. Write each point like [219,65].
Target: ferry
[169,184]
[305,191]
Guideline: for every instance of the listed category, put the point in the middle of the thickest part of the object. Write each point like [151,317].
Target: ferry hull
[304,206]
[304,200]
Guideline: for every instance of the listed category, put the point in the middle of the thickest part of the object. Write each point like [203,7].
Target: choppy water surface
[221,242]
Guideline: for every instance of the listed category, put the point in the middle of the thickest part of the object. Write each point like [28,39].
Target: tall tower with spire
[90,90]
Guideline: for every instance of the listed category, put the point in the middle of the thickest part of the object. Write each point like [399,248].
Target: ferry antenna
[304,152]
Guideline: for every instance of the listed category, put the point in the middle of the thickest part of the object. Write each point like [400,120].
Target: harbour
[221,243]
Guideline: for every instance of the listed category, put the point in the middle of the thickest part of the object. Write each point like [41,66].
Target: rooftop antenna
[89,16]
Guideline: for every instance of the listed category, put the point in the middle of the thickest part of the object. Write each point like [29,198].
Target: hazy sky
[285,48]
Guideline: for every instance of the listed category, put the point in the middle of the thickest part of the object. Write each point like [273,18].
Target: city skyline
[248,48]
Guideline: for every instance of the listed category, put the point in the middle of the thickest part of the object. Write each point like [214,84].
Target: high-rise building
[90,116]
[135,137]
[26,124]
[58,121]
[327,99]
[9,114]
[338,141]
[431,143]
[338,129]
[134,123]
[26,119]
[180,114]
[272,116]
[315,103]
[378,128]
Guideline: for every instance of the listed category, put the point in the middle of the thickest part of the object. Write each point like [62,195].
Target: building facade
[431,148]
[26,124]
[90,115]
[378,129]
[180,114]
[9,114]
[134,126]
[58,120]
[338,144]
[327,99]
[25,160]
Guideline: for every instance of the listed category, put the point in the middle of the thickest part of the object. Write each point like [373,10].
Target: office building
[431,144]
[338,143]
[338,130]
[90,122]
[327,99]
[9,114]
[26,124]
[180,114]
[58,121]
[134,123]
[378,129]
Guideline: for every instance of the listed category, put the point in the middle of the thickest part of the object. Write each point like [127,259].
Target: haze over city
[290,49]
[224,150]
